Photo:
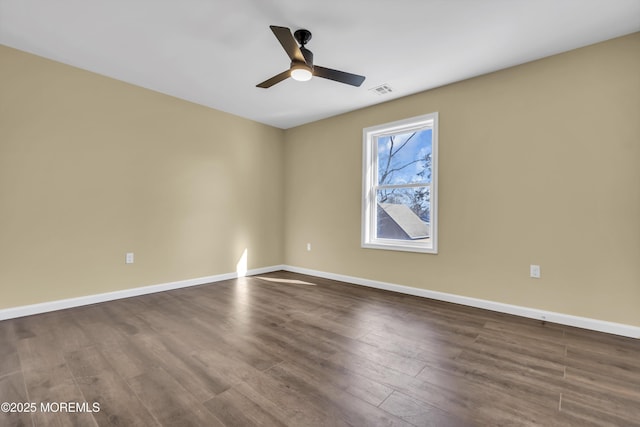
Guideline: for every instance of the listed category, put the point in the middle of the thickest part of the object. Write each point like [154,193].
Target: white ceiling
[214,52]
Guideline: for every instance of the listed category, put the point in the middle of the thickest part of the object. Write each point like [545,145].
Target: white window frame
[369,184]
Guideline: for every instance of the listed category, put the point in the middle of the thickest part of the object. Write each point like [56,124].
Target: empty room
[410,213]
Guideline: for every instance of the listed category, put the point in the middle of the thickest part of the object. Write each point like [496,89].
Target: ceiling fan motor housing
[302,36]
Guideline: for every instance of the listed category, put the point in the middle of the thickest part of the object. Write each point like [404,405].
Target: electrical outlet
[128,259]
[308,246]
[534,271]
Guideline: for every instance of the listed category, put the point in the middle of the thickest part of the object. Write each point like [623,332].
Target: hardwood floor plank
[421,414]
[61,328]
[604,383]
[66,391]
[119,405]
[359,386]
[289,343]
[99,383]
[346,406]
[129,358]
[228,339]
[551,354]
[194,377]
[337,328]
[228,369]
[510,377]
[48,379]
[239,407]
[294,404]
[548,331]
[445,333]
[9,358]
[297,347]
[427,351]
[169,402]
[22,326]
[601,400]
[233,341]
[43,365]
[401,363]
[616,366]
[601,342]
[12,390]
[586,414]
[454,394]
[307,300]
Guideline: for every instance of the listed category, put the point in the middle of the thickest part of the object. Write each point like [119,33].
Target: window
[399,210]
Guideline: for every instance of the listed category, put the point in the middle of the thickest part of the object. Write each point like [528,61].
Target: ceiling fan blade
[284,36]
[274,80]
[338,76]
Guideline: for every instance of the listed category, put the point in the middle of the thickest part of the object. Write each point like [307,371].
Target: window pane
[403,213]
[405,158]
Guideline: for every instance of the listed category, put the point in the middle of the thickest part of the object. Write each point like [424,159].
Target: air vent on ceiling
[382,89]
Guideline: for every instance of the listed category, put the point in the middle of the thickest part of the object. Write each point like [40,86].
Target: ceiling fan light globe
[301,73]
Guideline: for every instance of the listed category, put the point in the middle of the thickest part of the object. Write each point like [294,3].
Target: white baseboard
[533,313]
[27,310]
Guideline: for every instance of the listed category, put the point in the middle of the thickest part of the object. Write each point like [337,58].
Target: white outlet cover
[534,271]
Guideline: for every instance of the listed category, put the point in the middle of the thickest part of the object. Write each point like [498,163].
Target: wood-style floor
[290,350]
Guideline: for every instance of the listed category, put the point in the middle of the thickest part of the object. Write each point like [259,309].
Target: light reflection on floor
[241,302]
[291,281]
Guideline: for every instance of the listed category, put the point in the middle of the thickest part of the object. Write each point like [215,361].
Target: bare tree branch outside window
[396,168]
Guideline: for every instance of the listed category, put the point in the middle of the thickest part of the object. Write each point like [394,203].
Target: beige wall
[539,164]
[91,168]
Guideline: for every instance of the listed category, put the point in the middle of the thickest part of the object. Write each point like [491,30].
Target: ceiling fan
[302,68]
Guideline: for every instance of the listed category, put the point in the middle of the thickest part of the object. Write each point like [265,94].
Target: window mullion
[392,186]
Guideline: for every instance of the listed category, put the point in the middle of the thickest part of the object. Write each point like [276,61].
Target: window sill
[402,246]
